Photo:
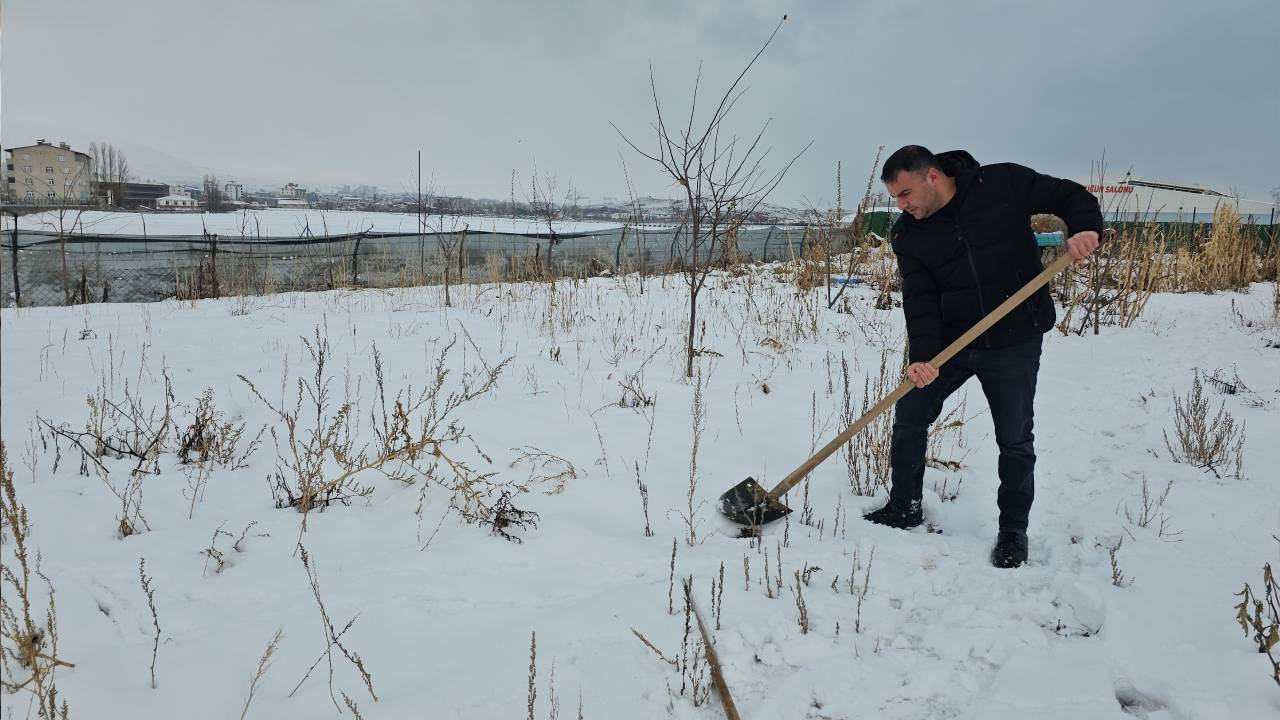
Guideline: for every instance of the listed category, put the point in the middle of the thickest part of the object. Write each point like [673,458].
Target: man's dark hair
[909,158]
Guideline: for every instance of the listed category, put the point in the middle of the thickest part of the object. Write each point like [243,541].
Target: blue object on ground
[841,280]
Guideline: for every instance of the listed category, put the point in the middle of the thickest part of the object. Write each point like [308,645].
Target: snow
[444,619]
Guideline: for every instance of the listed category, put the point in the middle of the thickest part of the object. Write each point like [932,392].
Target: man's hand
[1080,245]
[921,374]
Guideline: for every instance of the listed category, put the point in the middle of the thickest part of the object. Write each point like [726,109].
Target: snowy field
[590,402]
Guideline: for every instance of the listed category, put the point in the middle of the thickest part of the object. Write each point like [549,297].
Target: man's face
[917,193]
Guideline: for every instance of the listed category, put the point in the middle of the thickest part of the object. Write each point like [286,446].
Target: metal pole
[1271,230]
[422,241]
[355,260]
[17,293]
[213,262]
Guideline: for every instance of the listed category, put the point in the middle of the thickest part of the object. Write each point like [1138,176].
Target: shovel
[747,503]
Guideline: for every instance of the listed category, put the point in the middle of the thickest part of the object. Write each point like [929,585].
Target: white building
[292,190]
[1148,199]
[233,191]
[176,202]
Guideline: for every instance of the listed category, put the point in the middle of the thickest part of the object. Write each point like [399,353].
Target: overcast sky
[328,92]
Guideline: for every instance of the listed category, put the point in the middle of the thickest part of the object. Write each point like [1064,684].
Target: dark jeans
[1008,377]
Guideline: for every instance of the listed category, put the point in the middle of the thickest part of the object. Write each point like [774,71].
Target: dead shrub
[120,426]
[1215,444]
[306,450]
[28,647]
[867,458]
[1113,287]
[417,438]
[209,439]
[1259,618]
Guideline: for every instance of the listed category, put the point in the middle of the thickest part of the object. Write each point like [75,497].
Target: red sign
[1110,188]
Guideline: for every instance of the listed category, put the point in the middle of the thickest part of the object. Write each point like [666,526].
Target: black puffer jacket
[961,262]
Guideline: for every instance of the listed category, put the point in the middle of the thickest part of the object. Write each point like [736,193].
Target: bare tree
[635,216]
[214,200]
[724,181]
[109,171]
[65,221]
[549,212]
[436,218]
[422,224]
[450,237]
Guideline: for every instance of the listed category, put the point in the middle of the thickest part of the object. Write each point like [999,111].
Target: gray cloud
[346,92]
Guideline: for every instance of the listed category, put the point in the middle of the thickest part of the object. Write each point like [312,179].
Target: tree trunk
[62,250]
[447,302]
[693,319]
[640,255]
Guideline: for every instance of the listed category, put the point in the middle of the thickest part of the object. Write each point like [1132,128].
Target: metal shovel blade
[749,504]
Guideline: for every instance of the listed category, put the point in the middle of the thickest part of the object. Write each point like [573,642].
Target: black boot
[1010,550]
[898,514]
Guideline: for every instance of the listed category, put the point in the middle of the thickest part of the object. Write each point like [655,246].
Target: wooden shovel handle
[713,660]
[941,358]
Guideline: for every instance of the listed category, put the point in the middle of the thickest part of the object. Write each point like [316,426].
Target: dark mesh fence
[44,268]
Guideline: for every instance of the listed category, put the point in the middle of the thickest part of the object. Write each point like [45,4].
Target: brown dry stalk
[672,662]
[155,618]
[264,664]
[802,610]
[533,671]
[862,592]
[333,637]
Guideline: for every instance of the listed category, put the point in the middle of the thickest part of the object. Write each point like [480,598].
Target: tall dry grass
[1143,257]
[1228,259]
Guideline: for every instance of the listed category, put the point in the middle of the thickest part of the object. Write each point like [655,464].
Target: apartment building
[47,173]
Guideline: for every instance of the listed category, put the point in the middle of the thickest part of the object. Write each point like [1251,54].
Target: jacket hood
[956,162]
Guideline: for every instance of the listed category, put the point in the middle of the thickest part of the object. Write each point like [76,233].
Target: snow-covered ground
[445,609]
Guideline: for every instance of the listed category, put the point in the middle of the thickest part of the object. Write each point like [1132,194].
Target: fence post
[17,292]
[1271,232]
[462,255]
[213,262]
[355,260]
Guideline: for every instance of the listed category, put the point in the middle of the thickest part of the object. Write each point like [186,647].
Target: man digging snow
[964,244]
